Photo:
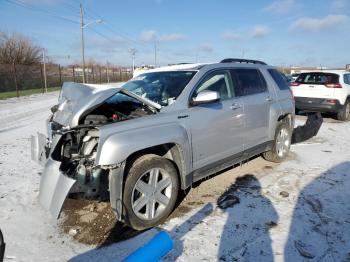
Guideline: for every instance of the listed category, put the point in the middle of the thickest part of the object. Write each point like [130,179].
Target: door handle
[269,99]
[235,106]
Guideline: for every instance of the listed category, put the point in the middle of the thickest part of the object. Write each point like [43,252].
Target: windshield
[160,87]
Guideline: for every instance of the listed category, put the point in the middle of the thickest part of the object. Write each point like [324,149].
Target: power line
[101,34]
[36,9]
[111,28]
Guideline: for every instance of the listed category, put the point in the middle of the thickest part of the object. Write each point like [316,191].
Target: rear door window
[248,81]
[318,78]
[279,79]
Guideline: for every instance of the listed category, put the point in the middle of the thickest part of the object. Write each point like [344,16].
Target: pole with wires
[133,51]
[107,72]
[44,65]
[82,40]
[155,54]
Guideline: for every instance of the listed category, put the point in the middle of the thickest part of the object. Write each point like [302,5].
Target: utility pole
[155,54]
[243,52]
[82,40]
[82,26]
[133,51]
[45,79]
[107,72]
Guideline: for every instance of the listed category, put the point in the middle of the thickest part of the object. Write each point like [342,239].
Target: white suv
[323,92]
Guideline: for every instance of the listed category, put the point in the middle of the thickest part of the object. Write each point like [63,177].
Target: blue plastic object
[154,250]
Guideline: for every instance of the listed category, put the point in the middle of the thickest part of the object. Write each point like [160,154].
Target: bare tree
[18,49]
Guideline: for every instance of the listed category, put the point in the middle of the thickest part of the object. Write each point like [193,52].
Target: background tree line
[21,67]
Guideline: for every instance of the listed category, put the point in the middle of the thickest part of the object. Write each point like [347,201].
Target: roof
[178,67]
[198,66]
[330,71]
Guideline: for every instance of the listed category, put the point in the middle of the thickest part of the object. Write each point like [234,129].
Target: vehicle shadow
[320,227]
[245,236]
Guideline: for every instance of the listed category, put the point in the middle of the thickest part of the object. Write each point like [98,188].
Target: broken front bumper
[54,187]
[54,184]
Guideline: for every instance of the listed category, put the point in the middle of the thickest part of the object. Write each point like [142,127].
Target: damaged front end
[69,151]
[69,168]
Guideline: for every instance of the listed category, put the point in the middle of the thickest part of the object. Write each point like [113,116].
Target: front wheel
[150,191]
[281,144]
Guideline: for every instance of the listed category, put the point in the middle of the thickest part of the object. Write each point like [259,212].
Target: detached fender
[115,147]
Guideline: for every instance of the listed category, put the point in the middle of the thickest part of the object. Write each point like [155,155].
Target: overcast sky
[281,32]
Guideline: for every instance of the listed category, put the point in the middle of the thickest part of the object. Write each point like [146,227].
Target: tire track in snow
[21,116]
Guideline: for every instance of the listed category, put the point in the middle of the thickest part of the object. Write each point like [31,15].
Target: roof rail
[238,60]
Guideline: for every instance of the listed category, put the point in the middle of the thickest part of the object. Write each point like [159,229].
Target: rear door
[315,85]
[252,89]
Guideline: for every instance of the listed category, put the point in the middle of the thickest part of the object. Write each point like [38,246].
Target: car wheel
[150,191]
[344,113]
[281,144]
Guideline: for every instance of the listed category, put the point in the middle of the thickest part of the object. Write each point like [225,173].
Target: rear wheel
[344,113]
[281,144]
[150,191]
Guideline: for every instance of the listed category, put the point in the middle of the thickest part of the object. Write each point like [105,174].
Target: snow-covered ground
[295,211]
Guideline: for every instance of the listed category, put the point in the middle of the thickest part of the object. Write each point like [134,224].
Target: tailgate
[314,91]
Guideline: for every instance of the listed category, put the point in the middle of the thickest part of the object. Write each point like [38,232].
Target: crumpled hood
[76,98]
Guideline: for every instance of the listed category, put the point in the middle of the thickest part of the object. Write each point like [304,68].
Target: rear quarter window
[279,79]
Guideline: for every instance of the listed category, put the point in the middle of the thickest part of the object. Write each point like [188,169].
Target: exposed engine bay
[78,146]
[117,108]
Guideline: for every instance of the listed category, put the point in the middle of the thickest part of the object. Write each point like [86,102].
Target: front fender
[114,148]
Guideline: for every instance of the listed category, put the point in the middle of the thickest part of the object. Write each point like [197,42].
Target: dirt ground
[93,223]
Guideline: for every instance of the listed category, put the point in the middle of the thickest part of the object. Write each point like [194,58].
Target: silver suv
[138,144]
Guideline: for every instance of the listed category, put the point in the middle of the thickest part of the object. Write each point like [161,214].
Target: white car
[323,92]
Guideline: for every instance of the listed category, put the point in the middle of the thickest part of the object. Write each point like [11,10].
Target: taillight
[333,85]
[295,84]
[331,101]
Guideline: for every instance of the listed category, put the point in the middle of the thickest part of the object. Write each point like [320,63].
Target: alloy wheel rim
[282,142]
[151,194]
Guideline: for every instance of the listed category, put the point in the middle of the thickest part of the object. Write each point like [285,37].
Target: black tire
[273,155]
[136,171]
[344,113]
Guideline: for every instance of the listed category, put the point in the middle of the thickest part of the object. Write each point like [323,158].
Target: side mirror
[205,97]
